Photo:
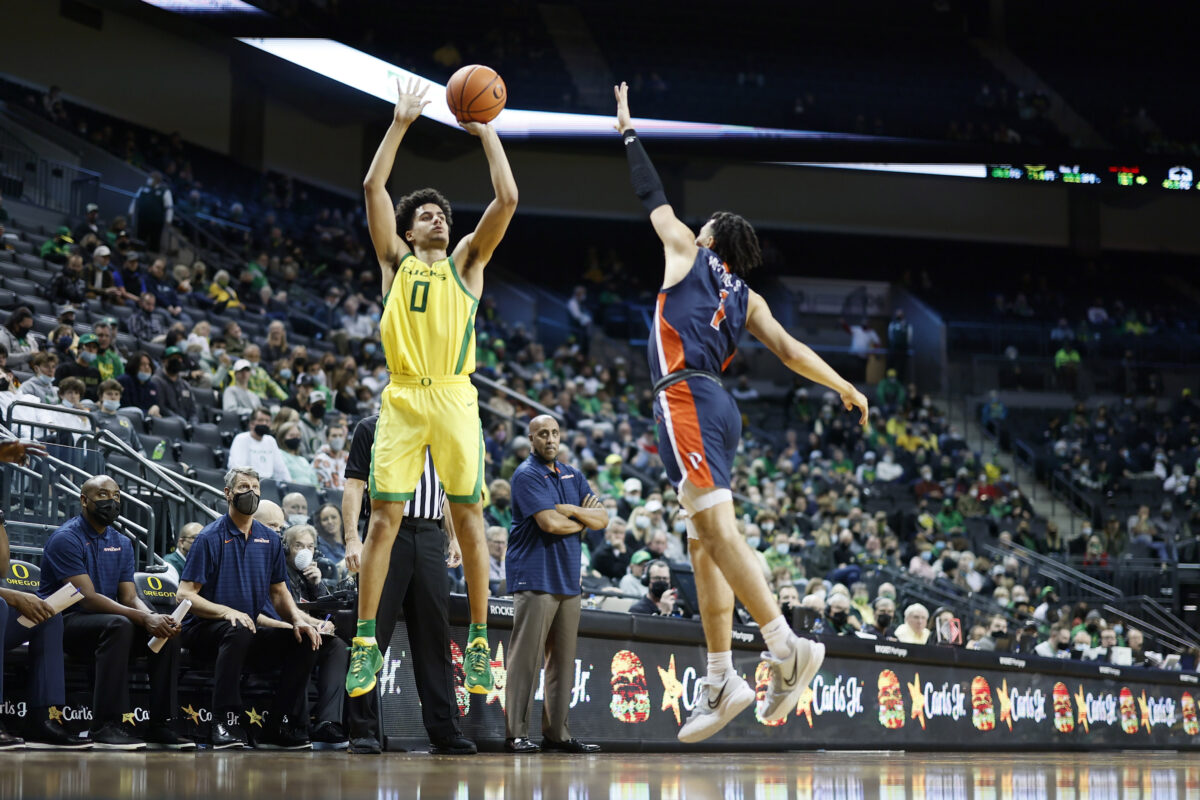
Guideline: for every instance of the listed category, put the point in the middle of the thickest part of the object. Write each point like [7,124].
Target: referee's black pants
[111,641]
[418,585]
[232,647]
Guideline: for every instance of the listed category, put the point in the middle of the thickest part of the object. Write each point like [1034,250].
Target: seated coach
[235,567]
[112,623]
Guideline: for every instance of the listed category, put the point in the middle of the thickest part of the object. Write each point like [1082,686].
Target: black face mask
[500,502]
[1064,645]
[883,620]
[246,502]
[839,617]
[105,511]
[63,343]
[787,609]
[659,588]
[1092,628]
[317,412]
[173,366]
[292,444]
[262,429]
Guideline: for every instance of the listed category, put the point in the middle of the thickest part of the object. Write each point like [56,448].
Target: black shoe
[8,741]
[226,737]
[452,746]
[281,737]
[328,736]
[164,737]
[50,735]
[366,746]
[521,745]
[571,745]
[114,736]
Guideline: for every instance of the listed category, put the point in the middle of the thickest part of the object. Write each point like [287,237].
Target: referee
[418,586]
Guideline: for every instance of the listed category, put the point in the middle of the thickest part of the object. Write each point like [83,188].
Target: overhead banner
[639,693]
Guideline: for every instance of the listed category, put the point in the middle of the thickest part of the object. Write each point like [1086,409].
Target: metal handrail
[1052,568]
[1162,635]
[504,390]
[183,495]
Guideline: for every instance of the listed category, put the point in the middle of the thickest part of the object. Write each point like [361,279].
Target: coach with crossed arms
[552,507]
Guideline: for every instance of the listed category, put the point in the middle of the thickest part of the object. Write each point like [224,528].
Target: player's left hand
[852,398]
[455,557]
[623,119]
[477,128]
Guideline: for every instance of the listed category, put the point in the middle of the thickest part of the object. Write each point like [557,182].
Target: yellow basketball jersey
[428,324]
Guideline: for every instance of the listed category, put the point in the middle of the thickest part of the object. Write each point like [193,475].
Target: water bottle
[159,450]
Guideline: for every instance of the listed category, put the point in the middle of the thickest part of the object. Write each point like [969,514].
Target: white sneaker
[789,678]
[715,707]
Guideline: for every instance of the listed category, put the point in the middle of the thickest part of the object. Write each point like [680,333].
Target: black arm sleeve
[646,183]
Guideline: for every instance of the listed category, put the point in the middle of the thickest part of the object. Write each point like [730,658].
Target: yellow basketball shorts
[441,413]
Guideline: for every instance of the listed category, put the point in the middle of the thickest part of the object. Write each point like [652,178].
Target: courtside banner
[635,682]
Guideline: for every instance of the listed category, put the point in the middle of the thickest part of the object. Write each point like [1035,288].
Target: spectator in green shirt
[109,361]
[949,519]
[780,554]
[1066,364]
[890,393]
[57,250]
[610,480]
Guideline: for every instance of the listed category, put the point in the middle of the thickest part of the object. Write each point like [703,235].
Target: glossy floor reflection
[328,776]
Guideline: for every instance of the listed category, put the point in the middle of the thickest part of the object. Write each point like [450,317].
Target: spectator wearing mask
[108,419]
[138,387]
[330,460]
[779,556]
[41,385]
[499,509]
[129,279]
[295,510]
[238,397]
[58,249]
[98,277]
[914,629]
[497,544]
[313,430]
[164,290]
[613,557]
[659,598]
[108,360]
[301,395]
[631,497]
[1058,645]
[183,543]
[300,469]
[888,470]
[235,568]
[260,382]
[174,392]
[884,609]
[837,616]
[256,449]
[112,623]
[69,285]
[860,605]
[18,338]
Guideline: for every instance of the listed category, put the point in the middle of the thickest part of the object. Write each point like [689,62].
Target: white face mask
[303,559]
[297,519]
[643,522]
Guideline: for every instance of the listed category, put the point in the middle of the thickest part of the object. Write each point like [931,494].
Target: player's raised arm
[475,250]
[381,215]
[799,357]
[679,242]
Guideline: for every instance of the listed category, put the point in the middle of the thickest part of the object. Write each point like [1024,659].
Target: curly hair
[735,241]
[408,205]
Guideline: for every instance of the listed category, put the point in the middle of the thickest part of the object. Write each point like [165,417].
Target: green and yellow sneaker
[477,664]
[365,661]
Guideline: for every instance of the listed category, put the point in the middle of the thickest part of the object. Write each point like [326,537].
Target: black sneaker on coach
[571,745]
[47,734]
[164,737]
[114,736]
[281,737]
[226,737]
[365,746]
[328,736]
[452,746]
[8,741]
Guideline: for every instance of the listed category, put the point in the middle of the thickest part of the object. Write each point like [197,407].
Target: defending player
[702,308]
[428,335]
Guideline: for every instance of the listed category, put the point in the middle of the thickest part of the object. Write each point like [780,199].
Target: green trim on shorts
[472,498]
[387,497]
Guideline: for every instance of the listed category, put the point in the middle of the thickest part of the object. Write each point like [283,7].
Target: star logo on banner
[499,678]
[255,717]
[127,719]
[918,699]
[191,712]
[804,707]
[1145,707]
[1005,704]
[672,688]
[55,714]
[1081,702]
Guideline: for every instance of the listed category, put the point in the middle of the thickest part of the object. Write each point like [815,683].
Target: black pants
[418,585]
[234,647]
[112,641]
[333,659]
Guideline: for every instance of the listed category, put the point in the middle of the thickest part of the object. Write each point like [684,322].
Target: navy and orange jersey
[698,321]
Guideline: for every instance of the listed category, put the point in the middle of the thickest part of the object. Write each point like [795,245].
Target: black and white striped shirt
[429,496]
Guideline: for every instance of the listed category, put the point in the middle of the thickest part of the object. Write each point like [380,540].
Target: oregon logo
[154,582]
[20,571]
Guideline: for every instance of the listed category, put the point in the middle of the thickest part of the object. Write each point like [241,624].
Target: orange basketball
[476,94]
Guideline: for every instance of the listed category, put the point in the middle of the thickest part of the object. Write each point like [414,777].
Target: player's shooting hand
[852,398]
[410,101]
[622,95]
[14,452]
[477,128]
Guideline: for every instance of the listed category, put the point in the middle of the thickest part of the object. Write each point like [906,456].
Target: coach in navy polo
[552,505]
[112,623]
[235,567]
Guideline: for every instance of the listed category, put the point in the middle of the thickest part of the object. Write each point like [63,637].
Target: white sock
[777,634]
[720,665]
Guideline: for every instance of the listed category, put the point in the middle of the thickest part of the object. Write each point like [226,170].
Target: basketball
[476,94]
